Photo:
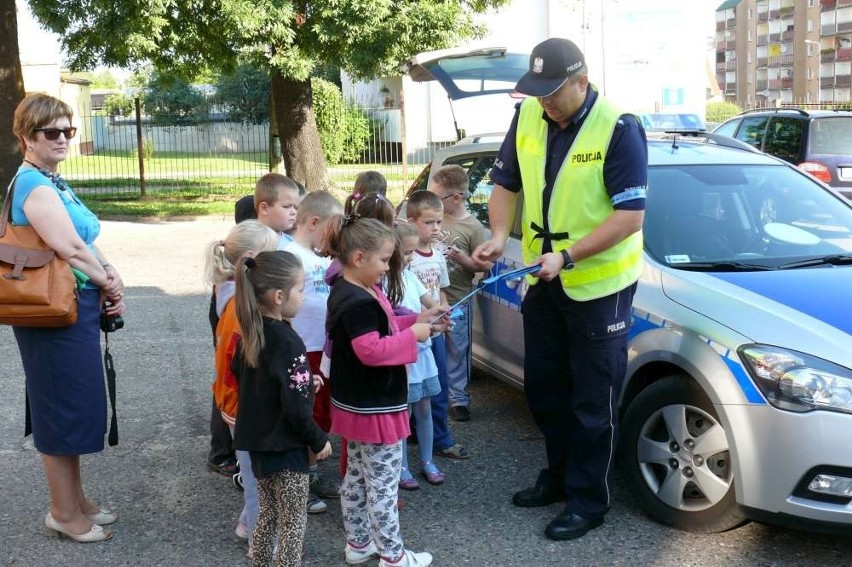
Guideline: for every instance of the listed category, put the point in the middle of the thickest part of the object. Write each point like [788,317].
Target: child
[425,212]
[370,183]
[246,238]
[302,193]
[369,348]
[221,456]
[314,211]
[276,200]
[462,234]
[274,422]
[423,374]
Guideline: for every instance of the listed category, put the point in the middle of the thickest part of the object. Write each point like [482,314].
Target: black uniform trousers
[574,364]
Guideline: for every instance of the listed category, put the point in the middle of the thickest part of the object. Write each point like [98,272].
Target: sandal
[454,451]
[407,481]
[432,474]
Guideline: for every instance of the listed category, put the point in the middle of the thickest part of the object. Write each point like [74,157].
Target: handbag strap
[110,375]
[6,215]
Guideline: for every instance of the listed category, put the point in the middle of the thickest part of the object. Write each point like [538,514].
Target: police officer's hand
[551,265]
[489,250]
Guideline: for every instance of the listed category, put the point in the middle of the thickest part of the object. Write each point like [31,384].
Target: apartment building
[771,52]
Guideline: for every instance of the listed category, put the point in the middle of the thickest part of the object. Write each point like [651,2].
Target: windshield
[758,215]
[832,136]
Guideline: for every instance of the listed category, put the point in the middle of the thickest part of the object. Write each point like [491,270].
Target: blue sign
[673,97]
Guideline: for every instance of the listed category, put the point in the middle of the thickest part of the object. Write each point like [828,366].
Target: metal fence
[214,155]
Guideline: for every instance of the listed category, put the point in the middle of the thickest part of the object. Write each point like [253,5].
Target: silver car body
[693,323]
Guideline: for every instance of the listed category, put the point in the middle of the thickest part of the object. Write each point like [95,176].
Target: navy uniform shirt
[625,171]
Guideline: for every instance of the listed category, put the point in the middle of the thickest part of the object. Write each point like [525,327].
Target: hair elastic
[250,263]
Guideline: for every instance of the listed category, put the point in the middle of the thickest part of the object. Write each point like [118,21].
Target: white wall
[40,54]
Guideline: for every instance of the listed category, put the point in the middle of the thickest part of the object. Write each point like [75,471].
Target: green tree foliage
[244,94]
[721,111]
[344,130]
[366,38]
[118,104]
[168,99]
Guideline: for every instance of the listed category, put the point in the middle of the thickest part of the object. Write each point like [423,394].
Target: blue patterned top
[85,222]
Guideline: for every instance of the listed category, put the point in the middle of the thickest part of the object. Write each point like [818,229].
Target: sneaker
[316,505]
[460,413]
[250,552]
[356,556]
[237,479]
[409,559]
[454,451]
[324,487]
[241,530]
[227,467]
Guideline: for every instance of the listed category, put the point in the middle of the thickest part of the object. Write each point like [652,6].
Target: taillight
[816,169]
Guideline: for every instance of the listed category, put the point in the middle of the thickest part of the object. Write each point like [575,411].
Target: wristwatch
[567,262]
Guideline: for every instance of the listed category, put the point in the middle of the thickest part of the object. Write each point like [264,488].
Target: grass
[125,163]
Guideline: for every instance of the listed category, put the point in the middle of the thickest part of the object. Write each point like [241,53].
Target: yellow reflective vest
[579,202]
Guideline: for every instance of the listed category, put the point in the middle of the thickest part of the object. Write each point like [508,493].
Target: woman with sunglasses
[65,392]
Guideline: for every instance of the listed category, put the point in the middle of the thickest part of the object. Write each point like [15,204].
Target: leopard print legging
[283,499]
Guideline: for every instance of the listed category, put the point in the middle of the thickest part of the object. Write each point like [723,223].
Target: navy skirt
[65,394]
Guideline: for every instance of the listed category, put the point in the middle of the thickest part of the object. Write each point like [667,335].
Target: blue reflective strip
[751,392]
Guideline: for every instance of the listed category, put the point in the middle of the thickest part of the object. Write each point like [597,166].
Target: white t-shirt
[424,367]
[431,269]
[309,322]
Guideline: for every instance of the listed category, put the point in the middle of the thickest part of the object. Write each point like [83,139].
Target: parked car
[672,121]
[737,402]
[817,141]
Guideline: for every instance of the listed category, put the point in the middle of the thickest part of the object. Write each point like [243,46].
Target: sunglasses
[462,195]
[53,133]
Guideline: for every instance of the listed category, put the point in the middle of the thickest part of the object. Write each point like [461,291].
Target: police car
[737,402]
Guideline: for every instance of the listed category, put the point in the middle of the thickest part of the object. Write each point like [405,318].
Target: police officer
[581,166]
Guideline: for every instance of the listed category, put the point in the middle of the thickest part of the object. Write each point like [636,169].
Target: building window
[749,35]
[749,57]
[810,25]
[811,3]
[810,72]
[749,13]
[810,49]
[749,78]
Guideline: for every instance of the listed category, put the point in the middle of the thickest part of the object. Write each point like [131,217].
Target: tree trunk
[293,116]
[11,91]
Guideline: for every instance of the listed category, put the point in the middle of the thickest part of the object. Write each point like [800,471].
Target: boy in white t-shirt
[426,212]
[315,210]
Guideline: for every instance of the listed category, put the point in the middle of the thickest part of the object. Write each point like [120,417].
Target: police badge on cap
[552,62]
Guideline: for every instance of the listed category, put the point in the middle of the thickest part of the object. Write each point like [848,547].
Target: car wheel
[677,458]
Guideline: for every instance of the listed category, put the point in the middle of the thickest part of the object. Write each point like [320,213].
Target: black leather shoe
[570,526]
[536,496]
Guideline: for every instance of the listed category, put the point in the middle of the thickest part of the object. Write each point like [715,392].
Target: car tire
[677,460]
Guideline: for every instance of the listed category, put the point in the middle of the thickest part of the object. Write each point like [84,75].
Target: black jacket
[353,312]
[276,399]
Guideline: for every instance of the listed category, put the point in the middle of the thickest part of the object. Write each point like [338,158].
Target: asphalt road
[175,512]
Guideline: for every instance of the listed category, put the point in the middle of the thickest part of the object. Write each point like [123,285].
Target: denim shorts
[425,389]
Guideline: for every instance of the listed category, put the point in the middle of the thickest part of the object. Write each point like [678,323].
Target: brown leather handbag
[37,287]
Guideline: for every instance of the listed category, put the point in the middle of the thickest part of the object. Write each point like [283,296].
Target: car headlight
[796,381]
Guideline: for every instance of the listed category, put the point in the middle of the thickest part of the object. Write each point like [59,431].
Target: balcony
[774,14]
[843,80]
[787,11]
[730,88]
[762,17]
[720,46]
[730,65]
[844,3]
[731,45]
[826,83]
[730,24]
[761,61]
[720,66]
[786,60]
[827,56]
[775,37]
[786,83]
[827,4]
[761,85]
[762,40]
[844,54]
[844,26]
[828,29]
[720,26]
[787,35]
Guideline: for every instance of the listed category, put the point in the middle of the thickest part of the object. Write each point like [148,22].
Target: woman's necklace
[57,180]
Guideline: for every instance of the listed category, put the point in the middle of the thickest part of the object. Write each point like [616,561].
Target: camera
[110,323]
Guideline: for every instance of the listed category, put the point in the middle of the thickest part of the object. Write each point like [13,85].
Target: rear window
[832,136]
